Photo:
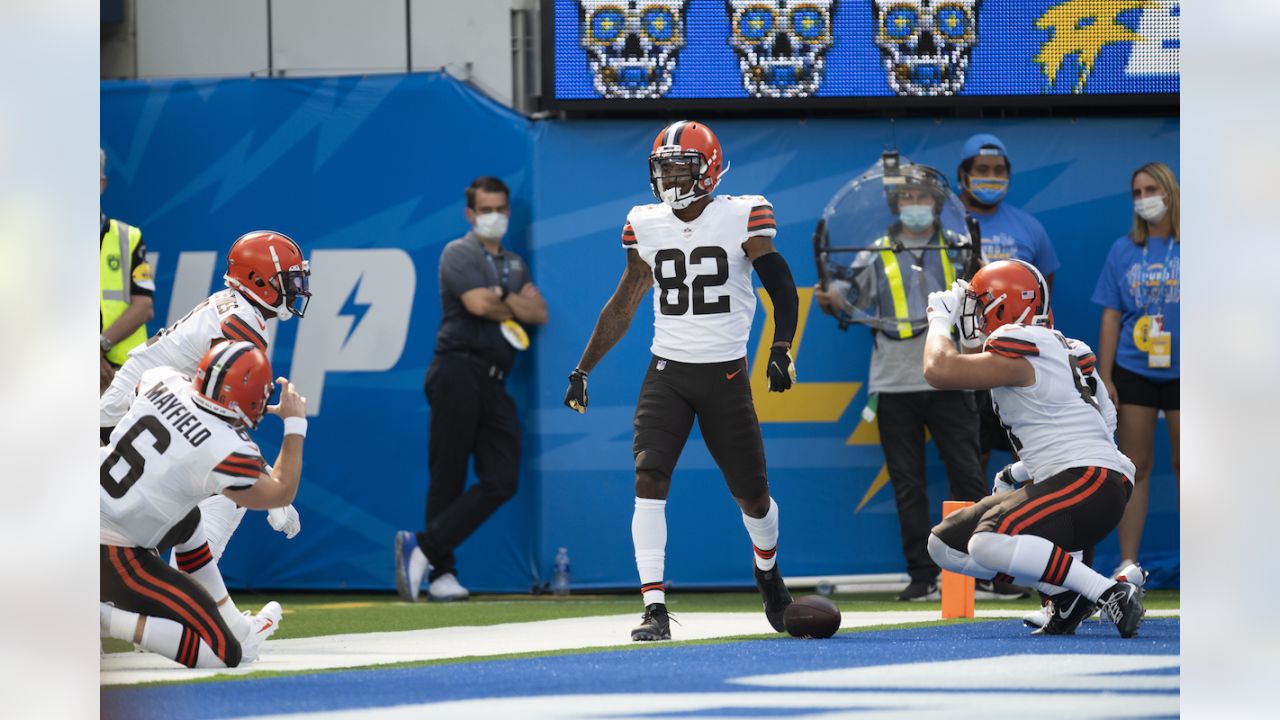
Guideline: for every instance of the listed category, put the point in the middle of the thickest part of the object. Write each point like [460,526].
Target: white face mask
[491,226]
[1151,209]
[916,217]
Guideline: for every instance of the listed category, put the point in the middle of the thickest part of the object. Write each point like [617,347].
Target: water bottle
[560,575]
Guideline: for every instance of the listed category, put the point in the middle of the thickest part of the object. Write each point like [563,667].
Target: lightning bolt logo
[353,308]
[1082,28]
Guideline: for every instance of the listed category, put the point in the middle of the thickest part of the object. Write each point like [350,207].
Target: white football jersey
[703,302]
[1058,422]
[165,456]
[225,315]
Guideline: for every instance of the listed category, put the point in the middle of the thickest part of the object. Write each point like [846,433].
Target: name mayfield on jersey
[703,300]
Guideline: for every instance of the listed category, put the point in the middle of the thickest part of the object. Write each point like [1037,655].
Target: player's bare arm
[615,318]
[776,277]
[528,305]
[946,369]
[280,487]
[486,304]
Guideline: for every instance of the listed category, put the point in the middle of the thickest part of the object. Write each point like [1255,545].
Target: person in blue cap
[1008,232]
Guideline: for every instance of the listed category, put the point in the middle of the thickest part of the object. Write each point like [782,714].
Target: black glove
[780,371]
[576,396]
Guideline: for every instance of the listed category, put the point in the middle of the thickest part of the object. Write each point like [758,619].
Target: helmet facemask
[679,177]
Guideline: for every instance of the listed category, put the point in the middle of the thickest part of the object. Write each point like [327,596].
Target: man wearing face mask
[904,402]
[487,297]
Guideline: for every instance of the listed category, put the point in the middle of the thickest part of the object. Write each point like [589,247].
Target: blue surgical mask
[988,191]
[916,217]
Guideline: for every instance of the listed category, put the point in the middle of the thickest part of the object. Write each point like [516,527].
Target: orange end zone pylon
[957,589]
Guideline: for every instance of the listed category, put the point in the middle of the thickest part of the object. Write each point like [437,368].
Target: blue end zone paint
[702,668]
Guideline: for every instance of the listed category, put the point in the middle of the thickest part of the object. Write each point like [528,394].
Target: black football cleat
[1066,611]
[655,625]
[775,595]
[1122,603]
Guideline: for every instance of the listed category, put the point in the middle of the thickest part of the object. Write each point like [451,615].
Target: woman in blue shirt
[1138,357]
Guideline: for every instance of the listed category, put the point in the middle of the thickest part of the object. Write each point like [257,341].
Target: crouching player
[183,440]
[1040,393]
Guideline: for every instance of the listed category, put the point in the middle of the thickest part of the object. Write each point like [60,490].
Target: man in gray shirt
[487,297]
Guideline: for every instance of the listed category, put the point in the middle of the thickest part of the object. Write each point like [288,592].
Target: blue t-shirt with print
[1138,284]
[1012,233]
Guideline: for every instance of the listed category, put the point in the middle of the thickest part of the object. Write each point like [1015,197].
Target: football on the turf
[812,616]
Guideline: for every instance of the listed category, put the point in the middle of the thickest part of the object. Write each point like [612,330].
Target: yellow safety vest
[893,273]
[116,275]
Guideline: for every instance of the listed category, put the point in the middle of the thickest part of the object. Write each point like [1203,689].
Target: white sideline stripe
[329,652]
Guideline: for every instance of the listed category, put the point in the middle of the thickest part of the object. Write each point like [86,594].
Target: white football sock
[764,536]
[1033,560]
[948,558]
[116,623]
[649,535]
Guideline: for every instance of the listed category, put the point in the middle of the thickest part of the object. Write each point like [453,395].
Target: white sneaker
[446,588]
[1039,618]
[261,626]
[411,566]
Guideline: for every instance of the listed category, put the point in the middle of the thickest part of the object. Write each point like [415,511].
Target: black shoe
[775,594]
[1068,610]
[655,625]
[1122,603]
[919,590]
[992,590]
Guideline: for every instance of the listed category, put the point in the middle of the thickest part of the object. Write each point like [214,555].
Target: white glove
[944,306]
[285,520]
[1010,478]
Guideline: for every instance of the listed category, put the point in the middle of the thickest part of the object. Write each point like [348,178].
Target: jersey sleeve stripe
[247,333]
[1013,352]
[761,208]
[1013,341]
[628,235]
[762,225]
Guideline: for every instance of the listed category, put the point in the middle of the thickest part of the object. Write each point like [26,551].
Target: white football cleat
[261,626]
[1038,618]
[446,588]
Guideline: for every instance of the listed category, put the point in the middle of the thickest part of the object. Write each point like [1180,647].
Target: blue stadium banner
[619,54]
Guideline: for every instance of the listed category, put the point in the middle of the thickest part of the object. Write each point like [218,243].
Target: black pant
[137,580]
[471,414]
[1074,509]
[718,395]
[952,418]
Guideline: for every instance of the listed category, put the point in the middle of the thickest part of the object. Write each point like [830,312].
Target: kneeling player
[182,441]
[1042,397]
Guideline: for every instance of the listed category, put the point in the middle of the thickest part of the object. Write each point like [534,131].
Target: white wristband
[295,426]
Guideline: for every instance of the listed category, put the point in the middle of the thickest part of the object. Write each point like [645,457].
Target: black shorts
[1135,389]
[991,434]
[718,395]
[137,580]
[1074,509]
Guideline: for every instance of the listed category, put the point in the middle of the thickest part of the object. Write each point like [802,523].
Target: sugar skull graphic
[781,44]
[632,45]
[925,44]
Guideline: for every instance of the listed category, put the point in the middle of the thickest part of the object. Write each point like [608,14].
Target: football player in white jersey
[696,250]
[182,440]
[1040,392]
[267,277]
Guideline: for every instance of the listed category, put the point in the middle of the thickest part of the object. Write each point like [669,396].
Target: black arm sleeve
[775,275]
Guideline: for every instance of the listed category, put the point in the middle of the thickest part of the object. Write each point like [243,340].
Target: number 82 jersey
[703,301]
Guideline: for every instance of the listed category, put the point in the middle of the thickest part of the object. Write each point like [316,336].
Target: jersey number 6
[127,452]
[679,273]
